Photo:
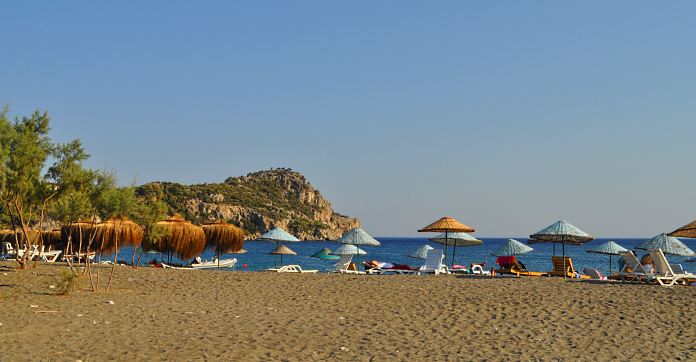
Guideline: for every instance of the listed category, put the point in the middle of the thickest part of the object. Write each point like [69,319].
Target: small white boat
[213,263]
[80,256]
[200,264]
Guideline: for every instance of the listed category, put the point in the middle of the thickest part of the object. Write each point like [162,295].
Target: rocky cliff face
[257,203]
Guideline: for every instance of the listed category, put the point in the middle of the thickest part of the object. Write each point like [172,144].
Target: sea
[396,250]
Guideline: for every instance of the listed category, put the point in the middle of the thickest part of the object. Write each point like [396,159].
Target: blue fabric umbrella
[325,254]
[609,248]
[561,232]
[357,236]
[455,239]
[348,249]
[278,235]
[668,245]
[512,247]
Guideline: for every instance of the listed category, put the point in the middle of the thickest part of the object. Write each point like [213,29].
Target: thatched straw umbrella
[118,232]
[53,238]
[115,232]
[447,225]
[223,237]
[181,238]
[8,235]
[282,250]
[686,231]
[240,251]
[78,231]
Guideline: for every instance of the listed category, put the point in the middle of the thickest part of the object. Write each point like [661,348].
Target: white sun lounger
[664,274]
[637,272]
[433,263]
[594,274]
[477,269]
[678,269]
[292,269]
[343,264]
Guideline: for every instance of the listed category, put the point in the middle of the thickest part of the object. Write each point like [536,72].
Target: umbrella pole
[218,258]
[609,264]
[357,265]
[565,273]
[446,242]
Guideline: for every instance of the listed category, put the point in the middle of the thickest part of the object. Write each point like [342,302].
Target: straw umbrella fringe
[8,235]
[118,232]
[52,238]
[81,230]
[223,237]
[282,250]
[180,238]
[686,231]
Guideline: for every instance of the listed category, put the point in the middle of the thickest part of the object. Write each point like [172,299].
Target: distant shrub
[67,282]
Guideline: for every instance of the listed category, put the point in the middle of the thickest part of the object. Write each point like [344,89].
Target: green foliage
[71,207]
[275,194]
[148,212]
[300,225]
[68,173]
[249,228]
[67,281]
[118,201]
[6,137]
[29,147]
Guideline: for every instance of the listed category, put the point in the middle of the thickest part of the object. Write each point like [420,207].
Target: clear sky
[506,115]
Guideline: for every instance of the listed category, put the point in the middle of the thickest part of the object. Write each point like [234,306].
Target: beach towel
[505,260]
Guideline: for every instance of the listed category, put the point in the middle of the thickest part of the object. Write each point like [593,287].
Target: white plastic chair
[433,263]
[637,272]
[664,274]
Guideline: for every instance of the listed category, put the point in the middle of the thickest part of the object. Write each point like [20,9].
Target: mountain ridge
[256,202]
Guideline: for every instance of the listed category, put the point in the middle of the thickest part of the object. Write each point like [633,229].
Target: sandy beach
[208,315]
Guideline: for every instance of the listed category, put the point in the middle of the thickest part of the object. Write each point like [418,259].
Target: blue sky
[505,115]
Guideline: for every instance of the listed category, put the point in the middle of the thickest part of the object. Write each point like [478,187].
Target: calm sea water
[395,250]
